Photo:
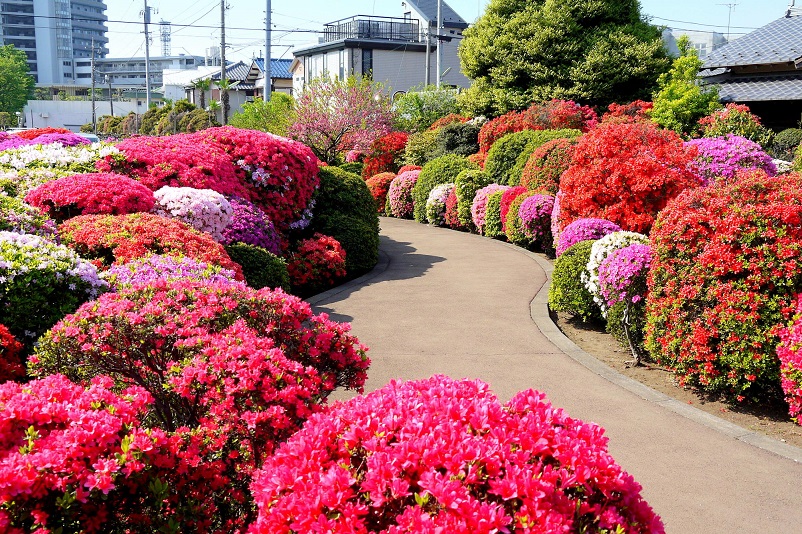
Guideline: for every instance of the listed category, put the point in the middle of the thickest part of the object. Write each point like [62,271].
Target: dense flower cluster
[720,158]
[251,226]
[435,456]
[407,168]
[583,229]
[386,154]
[116,239]
[203,209]
[33,133]
[10,142]
[625,173]
[479,205]
[399,196]
[546,165]
[495,129]
[436,204]
[789,352]
[10,356]
[316,263]
[636,111]
[622,274]
[17,216]
[735,119]
[451,118]
[555,216]
[169,268]
[354,156]
[535,214]
[602,248]
[40,282]
[451,215]
[723,282]
[506,200]
[93,193]
[379,186]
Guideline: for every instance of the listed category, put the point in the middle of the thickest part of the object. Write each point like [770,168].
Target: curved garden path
[458,304]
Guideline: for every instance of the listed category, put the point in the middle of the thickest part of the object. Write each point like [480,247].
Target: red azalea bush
[636,111]
[33,133]
[10,356]
[451,118]
[495,129]
[545,166]
[316,263]
[118,239]
[625,173]
[790,353]
[452,211]
[723,282]
[441,455]
[407,168]
[379,186]
[506,200]
[86,194]
[559,114]
[386,154]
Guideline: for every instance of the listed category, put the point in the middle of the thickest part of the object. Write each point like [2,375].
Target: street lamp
[19,119]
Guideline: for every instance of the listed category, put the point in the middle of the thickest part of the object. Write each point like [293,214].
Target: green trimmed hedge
[260,267]
[567,292]
[442,170]
[508,156]
[467,183]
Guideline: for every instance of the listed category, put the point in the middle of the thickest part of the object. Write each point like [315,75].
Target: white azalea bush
[436,204]
[598,252]
[203,209]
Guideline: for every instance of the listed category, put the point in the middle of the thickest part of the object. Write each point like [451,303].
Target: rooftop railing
[372,27]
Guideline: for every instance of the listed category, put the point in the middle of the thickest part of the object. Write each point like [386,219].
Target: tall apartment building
[54,34]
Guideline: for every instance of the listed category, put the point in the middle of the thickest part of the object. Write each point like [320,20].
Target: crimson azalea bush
[10,356]
[436,456]
[582,229]
[535,215]
[546,165]
[451,215]
[399,195]
[789,352]
[386,154]
[625,173]
[94,193]
[723,282]
[636,111]
[379,186]
[116,239]
[316,264]
[506,200]
[735,119]
[720,158]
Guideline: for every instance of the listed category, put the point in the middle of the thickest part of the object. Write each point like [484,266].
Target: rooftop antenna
[791,9]
[165,30]
[731,7]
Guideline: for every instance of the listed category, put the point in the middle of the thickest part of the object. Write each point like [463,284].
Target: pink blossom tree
[333,115]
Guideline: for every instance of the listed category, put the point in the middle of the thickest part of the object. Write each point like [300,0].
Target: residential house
[279,74]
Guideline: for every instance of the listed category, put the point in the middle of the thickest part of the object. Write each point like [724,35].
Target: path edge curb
[381,266]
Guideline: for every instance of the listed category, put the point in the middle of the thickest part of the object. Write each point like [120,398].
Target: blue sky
[295,21]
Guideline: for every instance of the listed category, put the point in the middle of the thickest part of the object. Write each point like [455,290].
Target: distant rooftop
[428,9]
[779,41]
[279,68]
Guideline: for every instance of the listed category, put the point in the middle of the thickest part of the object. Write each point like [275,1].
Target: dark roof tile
[779,41]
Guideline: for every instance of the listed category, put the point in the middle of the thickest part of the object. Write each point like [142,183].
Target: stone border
[381,266]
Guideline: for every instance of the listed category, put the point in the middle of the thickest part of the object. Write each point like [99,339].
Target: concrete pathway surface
[466,306]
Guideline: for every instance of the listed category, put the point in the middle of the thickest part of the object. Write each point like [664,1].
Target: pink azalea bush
[720,158]
[10,356]
[203,209]
[479,206]
[251,226]
[400,194]
[535,215]
[622,274]
[583,229]
[168,268]
[436,204]
[790,353]
[441,455]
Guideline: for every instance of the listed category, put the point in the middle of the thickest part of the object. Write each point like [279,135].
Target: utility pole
[439,41]
[268,57]
[428,76]
[111,96]
[94,112]
[147,56]
[223,59]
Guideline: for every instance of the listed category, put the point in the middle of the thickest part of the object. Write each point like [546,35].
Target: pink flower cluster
[203,209]
[479,206]
[790,353]
[535,215]
[441,455]
[169,268]
[400,194]
[720,158]
[10,356]
[583,229]
[622,274]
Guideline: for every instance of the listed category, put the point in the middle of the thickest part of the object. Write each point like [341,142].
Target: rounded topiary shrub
[385,155]
[316,264]
[508,156]
[421,148]
[466,184]
[514,229]
[785,143]
[399,197]
[506,200]
[442,170]
[546,164]
[582,229]
[436,204]
[479,206]
[354,167]
[203,209]
[260,267]
[350,468]
[168,268]
[379,186]
[721,158]
[723,281]
[250,225]
[567,293]
[452,215]
[461,138]
[535,215]
[17,216]
[602,248]
[735,119]
[493,227]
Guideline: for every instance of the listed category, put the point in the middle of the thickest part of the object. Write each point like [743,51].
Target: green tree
[594,51]
[274,116]
[202,86]
[681,101]
[16,84]
[419,108]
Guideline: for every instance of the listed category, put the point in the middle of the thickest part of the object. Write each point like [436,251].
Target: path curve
[462,305]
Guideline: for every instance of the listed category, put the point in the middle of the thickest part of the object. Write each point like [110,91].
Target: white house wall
[72,114]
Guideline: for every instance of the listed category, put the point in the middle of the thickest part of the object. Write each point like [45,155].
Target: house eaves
[371,44]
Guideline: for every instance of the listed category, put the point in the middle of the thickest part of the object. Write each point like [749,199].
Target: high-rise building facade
[55,35]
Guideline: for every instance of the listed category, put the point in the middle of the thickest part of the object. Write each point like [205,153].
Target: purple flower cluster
[251,226]
[622,274]
[479,206]
[720,158]
[535,215]
[583,229]
[400,194]
[169,268]
[16,216]
[8,142]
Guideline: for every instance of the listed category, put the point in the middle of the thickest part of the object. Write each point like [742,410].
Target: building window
[367,62]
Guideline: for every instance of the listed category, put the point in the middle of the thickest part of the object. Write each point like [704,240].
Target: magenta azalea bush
[622,274]
[790,353]
[535,215]
[441,455]
[167,268]
[720,158]
[479,206]
[251,226]
[399,196]
[583,229]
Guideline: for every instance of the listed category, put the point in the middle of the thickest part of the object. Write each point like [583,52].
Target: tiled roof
[428,8]
[777,42]
[279,68]
[237,71]
[760,88]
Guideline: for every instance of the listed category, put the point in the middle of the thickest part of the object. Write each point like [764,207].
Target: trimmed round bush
[316,264]
[720,158]
[169,268]
[260,267]
[461,138]
[466,184]
[785,143]
[514,229]
[379,186]
[203,209]
[508,156]
[85,194]
[452,215]
[421,148]
[583,229]
[493,227]
[435,456]
[546,164]
[535,214]
[354,167]
[603,247]
[399,196]
[442,170]
[723,281]
[506,200]
[11,368]
[436,204]
[479,206]
[567,293]
[515,174]
[250,225]
[41,282]
[17,216]
[789,352]
[622,286]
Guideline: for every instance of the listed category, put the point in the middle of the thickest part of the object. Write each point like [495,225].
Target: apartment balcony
[371,27]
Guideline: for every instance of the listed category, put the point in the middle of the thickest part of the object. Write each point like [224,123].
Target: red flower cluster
[452,211]
[317,263]
[33,133]
[118,239]
[625,173]
[790,353]
[495,129]
[506,200]
[379,185]
[441,455]
[723,282]
[451,118]
[386,154]
[545,166]
[562,114]
[636,111]
[10,356]
[406,168]
[86,194]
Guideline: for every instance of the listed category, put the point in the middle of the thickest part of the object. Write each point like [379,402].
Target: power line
[701,24]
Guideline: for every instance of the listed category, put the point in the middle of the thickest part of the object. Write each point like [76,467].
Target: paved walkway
[466,306]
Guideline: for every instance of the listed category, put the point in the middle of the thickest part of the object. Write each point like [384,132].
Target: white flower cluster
[203,209]
[55,155]
[598,252]
[436,203]
[783,167]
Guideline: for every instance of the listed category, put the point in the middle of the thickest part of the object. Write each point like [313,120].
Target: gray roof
[236,72]
[428,8]
[777,42]
[279,68]
[760,88]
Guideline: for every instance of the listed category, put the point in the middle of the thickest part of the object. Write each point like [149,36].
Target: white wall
[73,114]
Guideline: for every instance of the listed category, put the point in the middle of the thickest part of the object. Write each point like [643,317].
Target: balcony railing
[370,27]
